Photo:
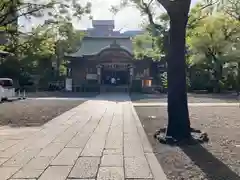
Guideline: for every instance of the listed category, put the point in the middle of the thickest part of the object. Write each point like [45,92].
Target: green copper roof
[94,45]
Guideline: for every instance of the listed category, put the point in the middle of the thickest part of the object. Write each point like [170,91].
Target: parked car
[7,91]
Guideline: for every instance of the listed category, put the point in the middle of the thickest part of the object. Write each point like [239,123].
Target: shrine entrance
[115,64]
[121,76]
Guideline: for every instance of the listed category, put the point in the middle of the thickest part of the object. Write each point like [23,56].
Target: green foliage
[213,43]
[165,81]
[40,49]
[37,50]
[215,39]
[150,44]
[144,47]
[11,10]
[229,7]
[58,15]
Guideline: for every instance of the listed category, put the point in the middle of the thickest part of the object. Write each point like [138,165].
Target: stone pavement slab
[22,179]
[102,139]
[22,158]
[39,162]
[56,173]
[86,167]
[52,150]
[113,151]
[67,157]
[7,172]
[112,160]
[7,143]
[3,160]
[110,173]
[28,173]
[137,167]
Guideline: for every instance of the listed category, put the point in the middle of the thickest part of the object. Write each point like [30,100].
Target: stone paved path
[102,139]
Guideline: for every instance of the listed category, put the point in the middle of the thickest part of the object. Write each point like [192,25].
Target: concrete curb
[58,98]
[190,104]
[154,165]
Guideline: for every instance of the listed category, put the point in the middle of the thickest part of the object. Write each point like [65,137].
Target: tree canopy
[198,42]
[41,50]
[50,10]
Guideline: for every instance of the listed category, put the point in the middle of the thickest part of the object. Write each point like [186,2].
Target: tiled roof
[94,45]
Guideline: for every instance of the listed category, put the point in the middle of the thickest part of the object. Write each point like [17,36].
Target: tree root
[197,136]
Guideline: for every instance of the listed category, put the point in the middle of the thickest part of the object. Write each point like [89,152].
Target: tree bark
[178,122]
[238,79]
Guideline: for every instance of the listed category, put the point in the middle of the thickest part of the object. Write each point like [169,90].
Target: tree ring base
[197,137]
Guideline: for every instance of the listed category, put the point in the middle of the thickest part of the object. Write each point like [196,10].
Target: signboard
[91,76]
[68,84]
[116,66]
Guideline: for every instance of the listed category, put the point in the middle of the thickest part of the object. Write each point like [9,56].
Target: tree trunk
[238,79]
[178,116]
[218,68]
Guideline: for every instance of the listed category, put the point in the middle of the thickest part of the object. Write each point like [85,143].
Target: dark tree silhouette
[178,122]
[177,10]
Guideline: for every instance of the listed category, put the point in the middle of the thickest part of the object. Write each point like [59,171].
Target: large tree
[232,8]
[11,10]
[177,15]
[178,116]
[36,50]
[53,12]
[145,45]
[213,45]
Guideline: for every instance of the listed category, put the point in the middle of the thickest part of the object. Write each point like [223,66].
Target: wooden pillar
[131,74]
[99,73]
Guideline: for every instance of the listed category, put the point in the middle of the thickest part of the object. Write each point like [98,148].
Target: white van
[7,91]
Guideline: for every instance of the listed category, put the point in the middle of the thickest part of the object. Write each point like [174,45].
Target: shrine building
[106,54]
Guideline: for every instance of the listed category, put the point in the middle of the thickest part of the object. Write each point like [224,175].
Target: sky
[127,19]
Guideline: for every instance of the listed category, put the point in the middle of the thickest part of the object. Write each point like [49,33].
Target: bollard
[24,94]
[238,100]
[19,94]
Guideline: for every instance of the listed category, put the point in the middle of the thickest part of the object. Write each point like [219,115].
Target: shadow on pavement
[209,164]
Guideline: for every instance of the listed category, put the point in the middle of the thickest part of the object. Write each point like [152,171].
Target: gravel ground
[219,159]
[192,98]
[33,112]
